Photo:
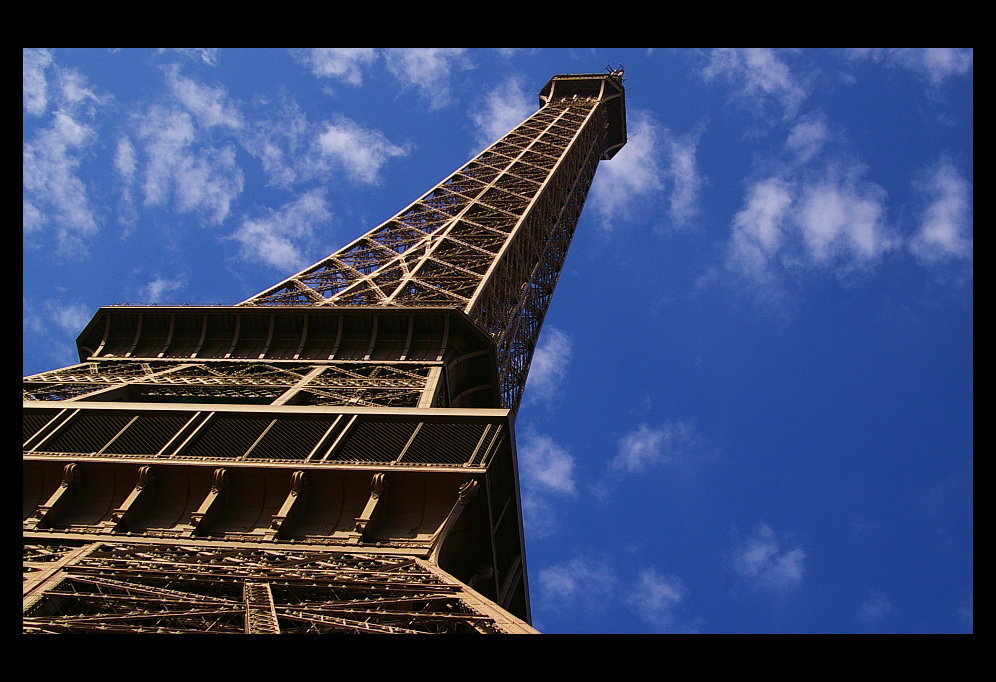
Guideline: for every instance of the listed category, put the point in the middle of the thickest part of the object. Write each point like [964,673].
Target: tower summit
[336,453]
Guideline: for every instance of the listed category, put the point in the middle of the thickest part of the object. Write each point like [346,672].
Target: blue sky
[751,409]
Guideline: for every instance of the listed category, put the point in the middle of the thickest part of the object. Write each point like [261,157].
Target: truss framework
[490,239]
[362,384]
[111,587]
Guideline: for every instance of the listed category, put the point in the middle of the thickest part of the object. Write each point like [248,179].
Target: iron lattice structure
[336,453]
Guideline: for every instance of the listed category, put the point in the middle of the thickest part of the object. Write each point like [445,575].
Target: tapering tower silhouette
[336,453]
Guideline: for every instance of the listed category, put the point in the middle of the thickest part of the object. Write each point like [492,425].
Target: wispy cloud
[157,290]
[945,230]
[53,193]
[584,581]
[686,180]
[501,110]
[765,561]
[545,466]
[634,175]
[359,152]
[125,162]
[34,85]
[842,218]
[345,64]
[206,55]
[210,106]
[54,325]
[763,80]
[658,600]
[549,365]
[426,69]
[182,168]
[590,585]
[648,447]
[281,238]
[759,228]
[652,160]
[874,609]
[935,64]
[69,317]
[285,142]
[546,475]
[815,211]
[182,152]
[807,138]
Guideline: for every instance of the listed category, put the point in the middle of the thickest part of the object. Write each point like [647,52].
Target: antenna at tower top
[615,71]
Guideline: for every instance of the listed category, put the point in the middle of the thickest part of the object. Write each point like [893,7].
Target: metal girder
[134,587]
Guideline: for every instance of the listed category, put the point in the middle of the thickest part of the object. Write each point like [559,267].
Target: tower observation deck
[336,453]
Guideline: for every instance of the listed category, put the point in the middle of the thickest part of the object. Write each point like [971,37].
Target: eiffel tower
[336,453]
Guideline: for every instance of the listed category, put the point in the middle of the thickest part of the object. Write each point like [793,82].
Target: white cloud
[69,317]
[807,138]
[208,55]
[592,584]
[647,447]
[758,229]
[49,175]
[53,325]
[632,174]
[539,516]
[33,82]
[208,182]
[765,562]
[281,238]
[198,178]
[763,79]
[210,106]
[426,69]
[946,225]
[546,474]
[936,64]
[544,465]
[841,217]
[32,219]
[156,290]
[549,365]
[126,165]
[166,135]
[360,152]
[343,63]
[125,162]
[53,192]
[281,139]
[874,609]
[73,90]
[830,219]
[583,580]
[657,599]
[173,157]
[685,179]
[501,110]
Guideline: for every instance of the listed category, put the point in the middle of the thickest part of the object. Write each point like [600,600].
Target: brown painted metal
[335,454]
